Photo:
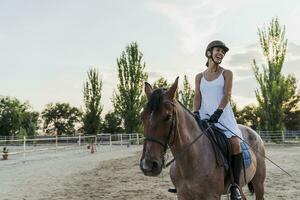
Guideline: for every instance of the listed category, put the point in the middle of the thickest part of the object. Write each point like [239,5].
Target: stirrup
[172,190]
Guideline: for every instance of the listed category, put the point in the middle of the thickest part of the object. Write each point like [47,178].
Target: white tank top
[212,93]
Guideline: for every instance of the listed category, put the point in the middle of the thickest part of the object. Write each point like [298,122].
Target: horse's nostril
[155,165]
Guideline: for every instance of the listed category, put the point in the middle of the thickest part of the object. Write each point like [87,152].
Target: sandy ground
[121,178]
[42,175]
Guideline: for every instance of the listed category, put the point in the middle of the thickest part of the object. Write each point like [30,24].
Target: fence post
[24,148]
[79,140]
[138,140]
[56,144]
[121,139]
[283,136]
[110,143]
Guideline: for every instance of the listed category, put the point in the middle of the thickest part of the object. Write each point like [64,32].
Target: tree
[247,116]
[274,88]
[112,123]
[93,108]
[292,113]
[186,96]
[16,116]
[161,83]
[129,99]
[60,119]
[29,122]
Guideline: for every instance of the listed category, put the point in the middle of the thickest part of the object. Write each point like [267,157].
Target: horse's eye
[168,117]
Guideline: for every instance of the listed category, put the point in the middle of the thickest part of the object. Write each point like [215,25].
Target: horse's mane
[185,108]
[156,99]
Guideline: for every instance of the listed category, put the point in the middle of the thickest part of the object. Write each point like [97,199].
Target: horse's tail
[250,187]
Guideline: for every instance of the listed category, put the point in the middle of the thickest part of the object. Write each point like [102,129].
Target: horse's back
[257,151]
[252,138]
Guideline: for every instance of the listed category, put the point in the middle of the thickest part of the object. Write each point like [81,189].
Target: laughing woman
[212,95]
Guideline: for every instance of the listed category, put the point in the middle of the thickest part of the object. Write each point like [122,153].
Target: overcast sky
[47,46]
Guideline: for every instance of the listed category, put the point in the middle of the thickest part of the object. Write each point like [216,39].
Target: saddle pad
[246,154]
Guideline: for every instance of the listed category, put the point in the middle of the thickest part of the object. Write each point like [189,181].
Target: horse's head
[159,121]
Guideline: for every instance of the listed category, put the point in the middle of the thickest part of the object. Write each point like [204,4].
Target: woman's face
[218,54]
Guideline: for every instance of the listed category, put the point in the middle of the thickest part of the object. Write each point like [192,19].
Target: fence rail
[26,145]
[290,137]
[45,143]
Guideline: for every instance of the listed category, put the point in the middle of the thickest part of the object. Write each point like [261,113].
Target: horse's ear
[148,90]
[173,88]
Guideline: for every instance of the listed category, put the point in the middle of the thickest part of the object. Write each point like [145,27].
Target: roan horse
[195,174]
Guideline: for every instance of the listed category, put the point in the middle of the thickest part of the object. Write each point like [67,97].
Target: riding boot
[236,167]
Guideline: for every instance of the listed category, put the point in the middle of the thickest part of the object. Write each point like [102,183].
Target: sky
[48,46]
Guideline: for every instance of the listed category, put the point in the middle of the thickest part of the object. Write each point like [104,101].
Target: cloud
[245,56]
[244,81]
[154,75]
[243,101]
[293,50]
[197,21]
[291,21]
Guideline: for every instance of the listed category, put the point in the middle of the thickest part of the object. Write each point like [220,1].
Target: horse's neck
[187,131]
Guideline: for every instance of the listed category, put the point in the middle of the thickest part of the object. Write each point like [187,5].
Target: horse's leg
[258,189]
[243,195]
[259,179]
[183,196]
[187,196]
[209,197]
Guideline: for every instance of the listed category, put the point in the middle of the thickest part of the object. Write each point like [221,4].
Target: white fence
[41,143]
[45,143]
[290,137]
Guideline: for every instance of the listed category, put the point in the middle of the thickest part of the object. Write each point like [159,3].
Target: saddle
[222,147]
[220,143]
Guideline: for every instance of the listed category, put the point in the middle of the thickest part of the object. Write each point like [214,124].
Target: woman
[212,94]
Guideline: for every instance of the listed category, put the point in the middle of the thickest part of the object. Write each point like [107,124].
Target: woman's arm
[197,97]
[228,76]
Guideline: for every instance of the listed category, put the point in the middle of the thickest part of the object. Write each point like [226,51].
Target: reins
[166,145]
[255,150]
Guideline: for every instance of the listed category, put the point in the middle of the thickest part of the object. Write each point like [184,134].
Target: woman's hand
[215,117]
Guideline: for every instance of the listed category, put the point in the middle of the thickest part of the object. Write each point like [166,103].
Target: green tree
[112,123]
[186,95]
[60,119]
[274,89]
[129,99]
[93,108]
[29,122]
[16,116]
[292,113]
[161,83]
[247,116]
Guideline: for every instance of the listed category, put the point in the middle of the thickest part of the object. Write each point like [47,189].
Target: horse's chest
[201,181]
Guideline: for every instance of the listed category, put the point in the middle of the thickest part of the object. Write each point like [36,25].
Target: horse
[195,174]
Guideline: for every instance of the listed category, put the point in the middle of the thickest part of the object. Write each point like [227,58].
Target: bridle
[167,143]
